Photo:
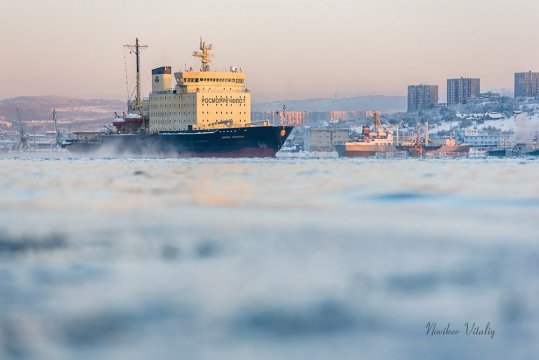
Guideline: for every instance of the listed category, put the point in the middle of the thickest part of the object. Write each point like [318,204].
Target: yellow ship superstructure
[200,100]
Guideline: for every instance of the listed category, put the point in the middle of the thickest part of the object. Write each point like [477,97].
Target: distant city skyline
[289,50]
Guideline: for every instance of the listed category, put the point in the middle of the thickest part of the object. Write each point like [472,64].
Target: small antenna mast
[126,76]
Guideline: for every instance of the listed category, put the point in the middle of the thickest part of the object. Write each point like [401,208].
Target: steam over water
[268,259]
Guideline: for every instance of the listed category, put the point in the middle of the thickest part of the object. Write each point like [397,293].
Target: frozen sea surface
[268,259]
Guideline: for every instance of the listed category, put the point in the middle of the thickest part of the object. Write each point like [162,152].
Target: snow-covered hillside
[523,125]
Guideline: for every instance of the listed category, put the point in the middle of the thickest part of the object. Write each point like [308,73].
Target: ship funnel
[162,79]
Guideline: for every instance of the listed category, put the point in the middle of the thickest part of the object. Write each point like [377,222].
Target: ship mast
[137,105]
[204,54]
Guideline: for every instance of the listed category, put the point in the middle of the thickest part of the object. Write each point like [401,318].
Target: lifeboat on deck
[119,123]
[133,119]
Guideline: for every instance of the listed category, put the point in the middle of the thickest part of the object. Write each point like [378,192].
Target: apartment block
[421,97]
[462,89]
[526,84]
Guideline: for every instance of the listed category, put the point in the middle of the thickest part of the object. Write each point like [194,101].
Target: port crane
[23,137]
[59,137]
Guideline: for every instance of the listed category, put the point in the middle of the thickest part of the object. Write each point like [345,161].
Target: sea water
[268,258]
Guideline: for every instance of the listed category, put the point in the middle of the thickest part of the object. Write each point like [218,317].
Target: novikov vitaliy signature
[469,329]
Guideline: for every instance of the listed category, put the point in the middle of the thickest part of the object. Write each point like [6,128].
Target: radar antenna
[204,54]
[137,105]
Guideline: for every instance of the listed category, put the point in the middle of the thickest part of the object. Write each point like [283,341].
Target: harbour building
[526,84]
[421,97]
[462,89]
[324,139]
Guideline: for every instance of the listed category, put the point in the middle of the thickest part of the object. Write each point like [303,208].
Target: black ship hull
[255,141]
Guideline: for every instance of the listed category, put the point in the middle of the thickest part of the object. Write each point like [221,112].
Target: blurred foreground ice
[267,259]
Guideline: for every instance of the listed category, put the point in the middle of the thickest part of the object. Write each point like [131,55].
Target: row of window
[217,89]
[173,121]
[222,104]
[170,97]
[170,121]
[226,113]
[161,113]
[160,106]
[188,105]
[238,81]
[214,120]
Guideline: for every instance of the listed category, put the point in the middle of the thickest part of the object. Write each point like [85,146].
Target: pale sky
[289,49]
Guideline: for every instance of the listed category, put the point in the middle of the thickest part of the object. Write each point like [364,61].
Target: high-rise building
[460,90]
[422,97]
[526,84]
